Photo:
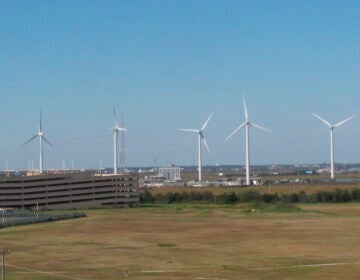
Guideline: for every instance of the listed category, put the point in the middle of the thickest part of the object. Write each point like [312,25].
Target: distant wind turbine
[247,124]
[116,130]
[331,127]
[201,139]
[42,137]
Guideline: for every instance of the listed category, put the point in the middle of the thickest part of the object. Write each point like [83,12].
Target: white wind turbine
[247,124]
[41,136]
[201,139]
[331,128]
[116,130]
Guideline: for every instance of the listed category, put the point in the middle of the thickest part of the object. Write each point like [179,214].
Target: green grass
[271,207]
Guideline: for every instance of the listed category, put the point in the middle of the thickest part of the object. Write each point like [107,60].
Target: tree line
[335,196]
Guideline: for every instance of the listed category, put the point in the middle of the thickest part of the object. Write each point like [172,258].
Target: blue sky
[167,65]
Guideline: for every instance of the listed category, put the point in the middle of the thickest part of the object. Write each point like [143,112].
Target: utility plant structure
[331,128]
[201,140]
[116,130]
[41,136]
[247,125]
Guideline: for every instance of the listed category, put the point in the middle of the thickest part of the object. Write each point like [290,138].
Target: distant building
[170,173]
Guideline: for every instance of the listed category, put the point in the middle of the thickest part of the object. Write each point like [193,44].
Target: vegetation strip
[336,196]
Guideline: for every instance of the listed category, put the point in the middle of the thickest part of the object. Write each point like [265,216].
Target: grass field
[314,241]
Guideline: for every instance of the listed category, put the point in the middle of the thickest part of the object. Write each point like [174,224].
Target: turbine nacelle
[118,129]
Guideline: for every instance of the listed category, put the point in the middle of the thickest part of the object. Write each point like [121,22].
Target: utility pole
[3,253]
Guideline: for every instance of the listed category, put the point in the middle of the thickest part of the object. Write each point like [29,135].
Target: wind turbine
[116,130]
[201,139]
[331,127]
[42,137]
[247,125]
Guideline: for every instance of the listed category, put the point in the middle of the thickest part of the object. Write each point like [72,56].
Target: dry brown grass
[280,189]
[214,176]
[197,242]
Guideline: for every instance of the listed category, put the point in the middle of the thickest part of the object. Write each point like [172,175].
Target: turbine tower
[116,130]
[201,139]
[42,137]
[331,128]
[247,125]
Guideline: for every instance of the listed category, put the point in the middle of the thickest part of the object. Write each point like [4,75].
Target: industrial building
[170,173]
[68,191]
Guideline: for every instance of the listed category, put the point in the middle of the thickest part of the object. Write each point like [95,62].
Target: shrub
[303,197]
[146,197]
[355,195]
[270,198]
[227,198]
[249,196]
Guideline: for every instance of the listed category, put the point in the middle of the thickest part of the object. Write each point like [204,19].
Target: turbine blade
[245,109]
[115,118]
[189,130]
[121,129]
[344,121]
[28,141]
[235,131]
[40,124]
[260,127]
[47,141]
[321,119]
[206,123]
[205,143]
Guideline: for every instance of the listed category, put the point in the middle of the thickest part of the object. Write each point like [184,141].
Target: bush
[303,198]
[227,198]
[270,198]
[174,197]
[355,195]
[208,196]
[341,196]
[249,196]
[146,197]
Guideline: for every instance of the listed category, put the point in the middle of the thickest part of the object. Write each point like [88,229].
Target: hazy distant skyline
[167,65]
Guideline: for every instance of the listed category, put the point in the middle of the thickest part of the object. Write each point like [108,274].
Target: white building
[170,173]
